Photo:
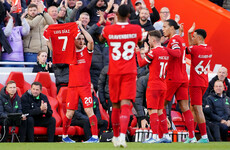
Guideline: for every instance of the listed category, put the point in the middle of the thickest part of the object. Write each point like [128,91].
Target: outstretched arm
[190,31]
[88,37]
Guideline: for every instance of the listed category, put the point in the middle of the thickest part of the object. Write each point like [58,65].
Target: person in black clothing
[154,16]
[222,76]
[219,105]
[103,92]
[42,66]
[213,130]
[39,111]
[143,20]
[81,119]
[10,102]
[61,73]
[140,101]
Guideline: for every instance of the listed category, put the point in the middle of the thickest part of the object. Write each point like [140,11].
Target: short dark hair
[32,5]
[10,82]
[124,10]
[37,83]
[173,23]
[201,32]
[156,34]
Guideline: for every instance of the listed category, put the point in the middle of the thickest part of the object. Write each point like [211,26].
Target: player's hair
[124,10]
[156,34]
[201,32]
[37,83]
[173,23]
[84,13]
[10,82]
[32,5]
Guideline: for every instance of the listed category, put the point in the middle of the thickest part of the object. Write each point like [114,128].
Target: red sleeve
[174,52]
[46,34]
[174,44]
[147,59]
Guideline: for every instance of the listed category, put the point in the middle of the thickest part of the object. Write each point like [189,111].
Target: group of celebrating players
[167,74]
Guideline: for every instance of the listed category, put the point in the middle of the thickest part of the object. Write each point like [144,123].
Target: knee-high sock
[202,127]
[163,123]
[189,122]
[124,118]
[66,124]
[116,121]
[154,122]
[93,124]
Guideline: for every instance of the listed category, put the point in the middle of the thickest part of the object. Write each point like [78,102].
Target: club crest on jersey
[81,54]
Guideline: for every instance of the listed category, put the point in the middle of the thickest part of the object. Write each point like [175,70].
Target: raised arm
[190,31]
[88,37]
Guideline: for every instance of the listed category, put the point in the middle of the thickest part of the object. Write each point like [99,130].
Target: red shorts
[180,90]
[122,87]
[73,95]
[196,94]
[155,99]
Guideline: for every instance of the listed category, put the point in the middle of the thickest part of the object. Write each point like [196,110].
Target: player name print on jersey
[62,37]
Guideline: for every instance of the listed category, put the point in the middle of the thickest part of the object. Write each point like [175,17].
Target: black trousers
[49,123]
[223,131]
[6,122]
[102,126]
[213,131]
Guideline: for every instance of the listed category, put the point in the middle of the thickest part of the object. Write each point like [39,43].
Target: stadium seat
[20,82]
[61,97]
[45,80]
[177,119]
[1,86]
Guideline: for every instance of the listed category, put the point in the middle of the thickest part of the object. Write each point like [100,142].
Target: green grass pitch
[109,146]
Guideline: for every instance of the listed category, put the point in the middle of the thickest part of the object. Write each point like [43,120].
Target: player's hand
[78,4]
[138,49]
[144,123]
[46,26]
[228,123]
[146,48]
[177,18]
[110,3]
[181,29]
[191,30]
[102,18]
[79,23]
[168,123]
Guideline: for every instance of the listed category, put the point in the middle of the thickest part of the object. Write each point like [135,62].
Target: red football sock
[115,119]
[124,118]
[189,122]
[195,124]
[163,123]
[154,122]
[93,124]
[160,133]
[202,128]
[66,124]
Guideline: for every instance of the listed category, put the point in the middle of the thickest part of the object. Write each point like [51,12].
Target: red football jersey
[200,64]
[62,37]
[79,74]
[157,59]
[176,71]
[122,39]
